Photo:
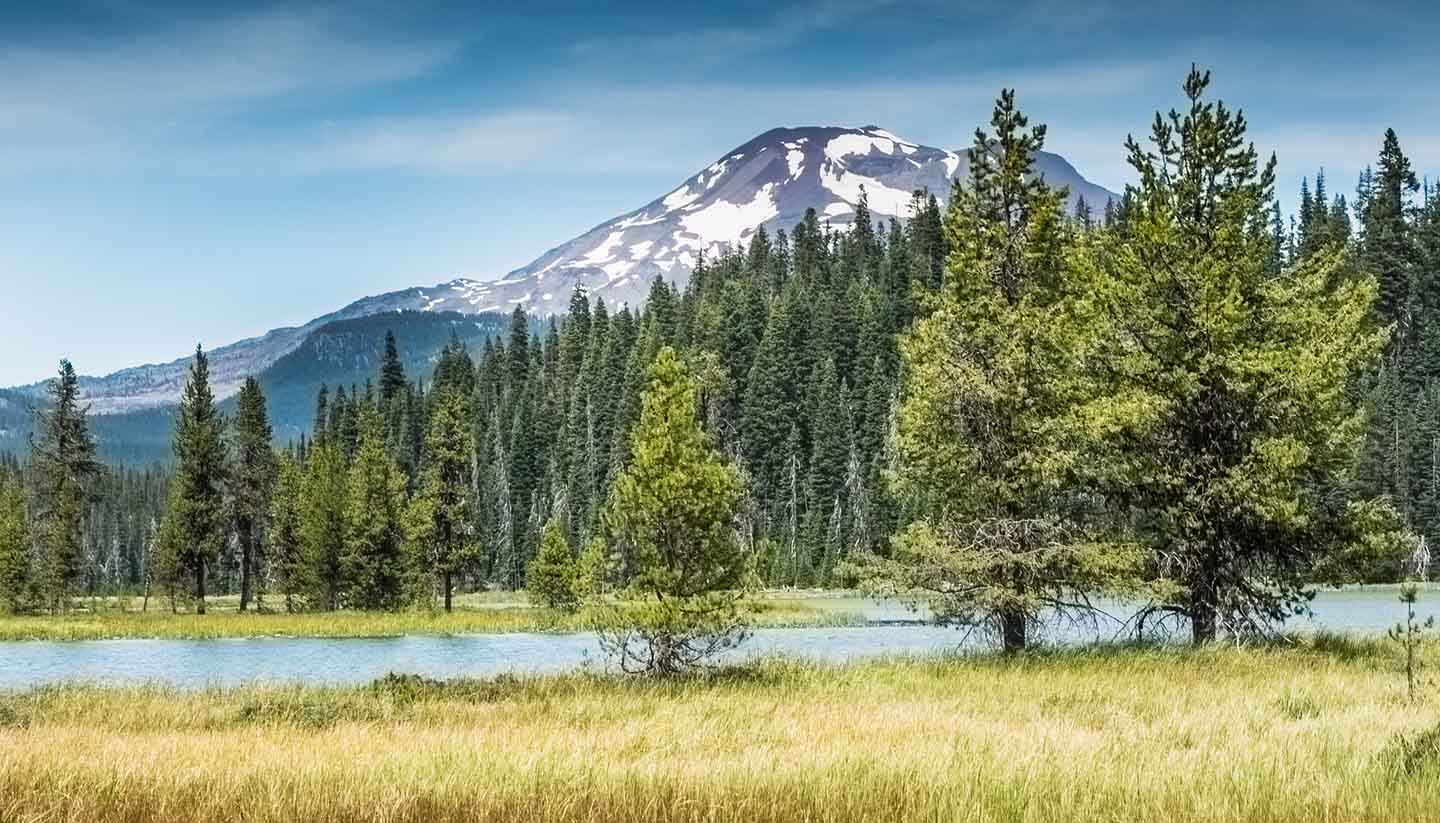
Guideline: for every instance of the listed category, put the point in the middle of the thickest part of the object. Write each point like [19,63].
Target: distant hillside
[343,352]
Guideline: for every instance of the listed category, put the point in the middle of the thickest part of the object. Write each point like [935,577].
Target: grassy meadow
[107,619]
[1318,731]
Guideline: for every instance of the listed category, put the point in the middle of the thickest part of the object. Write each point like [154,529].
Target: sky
[182,173]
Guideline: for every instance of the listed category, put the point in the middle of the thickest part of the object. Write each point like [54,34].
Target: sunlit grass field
[1320,731]
[474,613]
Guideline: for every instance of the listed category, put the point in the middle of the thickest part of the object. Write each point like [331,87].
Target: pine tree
[673,507]
[445,501]
[829,438]
[987,435]
[374,559]
[518,349]
[1229,391]
[63,467]
[287,559]
[251,478]
[1388,249]
[392,372]
[322,415]
[323,501]
[553,576]
[166,570]
[769,408]
[15,550]
[200,477]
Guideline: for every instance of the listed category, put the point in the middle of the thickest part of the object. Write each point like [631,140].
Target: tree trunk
[247,559]
[200,587]
[1012,631]
[446,584]
[1202,613]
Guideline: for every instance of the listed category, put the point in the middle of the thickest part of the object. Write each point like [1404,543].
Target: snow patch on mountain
[769,181]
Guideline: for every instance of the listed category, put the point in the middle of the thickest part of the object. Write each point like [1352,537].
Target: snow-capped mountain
[769,181]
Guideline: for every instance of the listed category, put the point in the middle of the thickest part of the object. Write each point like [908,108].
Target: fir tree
[553,576]
[769,406]
[15,550]
[518,349]
[251,477]
[322,415]
[374,558]
[200,478]
[287,559]
[63,466]
[445,500]
[1229,390]
[987,435]
[673,509]
[392,372]
[322,527]
[1388,249]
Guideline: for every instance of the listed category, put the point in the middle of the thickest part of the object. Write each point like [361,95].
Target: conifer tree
[287,559]
[165,571]
[200,477]
[673,509]
[322,415]
[15,549]
[986,429]
[1229,391]
[251,478]
[552,578]
[769,407]
[322,527]
[518,350]
[445,501]
[1388,247]
[374,559]
[829,438]
[392,372]
[63,466]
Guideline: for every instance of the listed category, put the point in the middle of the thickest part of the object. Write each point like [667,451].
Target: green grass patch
[475,614]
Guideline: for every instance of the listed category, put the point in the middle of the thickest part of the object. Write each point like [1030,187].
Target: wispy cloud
[673,128]
[480,144]
[54,102]
[787,26]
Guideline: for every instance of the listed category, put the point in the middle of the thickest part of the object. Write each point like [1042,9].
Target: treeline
[997,405]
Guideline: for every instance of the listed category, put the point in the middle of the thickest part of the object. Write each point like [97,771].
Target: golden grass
[474,614]
[1300,734]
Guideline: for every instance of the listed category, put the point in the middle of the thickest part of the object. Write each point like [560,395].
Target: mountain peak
[770,181]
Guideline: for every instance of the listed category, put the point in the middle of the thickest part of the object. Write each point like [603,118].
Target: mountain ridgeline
[338,353]
[767,183]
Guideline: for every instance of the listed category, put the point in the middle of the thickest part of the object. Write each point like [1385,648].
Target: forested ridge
[1181,395]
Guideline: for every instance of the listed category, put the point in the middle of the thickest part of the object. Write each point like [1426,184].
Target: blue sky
[205,172]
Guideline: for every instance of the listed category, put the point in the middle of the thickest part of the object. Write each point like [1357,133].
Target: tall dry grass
[1299,734]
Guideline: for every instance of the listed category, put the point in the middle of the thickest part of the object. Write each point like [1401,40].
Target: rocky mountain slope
[342,352]
[769,181]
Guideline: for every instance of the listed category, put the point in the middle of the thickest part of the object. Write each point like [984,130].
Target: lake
[894,630]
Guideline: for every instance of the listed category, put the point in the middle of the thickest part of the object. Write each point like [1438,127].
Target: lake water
[894,631]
